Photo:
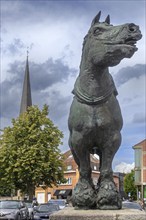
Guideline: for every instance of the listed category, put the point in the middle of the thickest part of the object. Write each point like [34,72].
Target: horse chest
[102,117]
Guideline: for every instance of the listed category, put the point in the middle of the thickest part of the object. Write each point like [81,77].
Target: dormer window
[69,167]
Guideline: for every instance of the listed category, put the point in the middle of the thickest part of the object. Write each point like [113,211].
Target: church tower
[26,100]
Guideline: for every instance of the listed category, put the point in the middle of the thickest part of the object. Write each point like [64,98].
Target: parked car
[43,211]
[61,202]
[132,205]
[13,209]
[30,207]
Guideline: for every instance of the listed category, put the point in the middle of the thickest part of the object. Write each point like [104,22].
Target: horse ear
[107,20]
[96,19]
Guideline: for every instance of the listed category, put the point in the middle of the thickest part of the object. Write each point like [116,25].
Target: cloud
[10,99]
[41,10]
[48,73]
[16,46]
[50,84]
[132,85]
[139,117]
[44,79]
[127,73]
[124,167]
[54,30]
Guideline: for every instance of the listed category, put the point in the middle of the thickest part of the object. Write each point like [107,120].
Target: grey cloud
[67,52]
[128,73]
[41,12]
[16,74]
[11,95]
[3,30]
[10,100]
[42,77]
[59,112]
[14,48]
[48,73]
[60,104]
[139,118]
[11,10]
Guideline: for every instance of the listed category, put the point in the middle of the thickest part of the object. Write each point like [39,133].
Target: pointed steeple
[26,93]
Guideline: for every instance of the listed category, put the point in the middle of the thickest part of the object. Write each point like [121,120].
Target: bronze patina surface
[95,119]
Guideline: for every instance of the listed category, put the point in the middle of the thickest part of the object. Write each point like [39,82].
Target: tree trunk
[31,192]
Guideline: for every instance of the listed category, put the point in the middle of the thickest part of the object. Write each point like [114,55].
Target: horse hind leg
[84,193]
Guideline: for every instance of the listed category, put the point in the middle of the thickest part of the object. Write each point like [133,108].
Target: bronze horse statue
[95,119]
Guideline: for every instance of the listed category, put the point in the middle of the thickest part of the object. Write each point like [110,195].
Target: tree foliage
[5,190]
[129,185]
[29,152]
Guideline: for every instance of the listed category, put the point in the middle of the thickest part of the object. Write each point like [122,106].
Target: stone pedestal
[124,214]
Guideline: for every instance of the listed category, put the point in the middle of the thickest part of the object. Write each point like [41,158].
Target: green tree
[129,185]
[5,190]
[29,152]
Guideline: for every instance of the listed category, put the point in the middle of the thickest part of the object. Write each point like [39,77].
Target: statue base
[69,213]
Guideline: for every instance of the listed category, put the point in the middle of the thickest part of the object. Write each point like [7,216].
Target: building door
[41,197]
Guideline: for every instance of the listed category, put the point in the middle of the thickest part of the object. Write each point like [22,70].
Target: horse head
[107,45]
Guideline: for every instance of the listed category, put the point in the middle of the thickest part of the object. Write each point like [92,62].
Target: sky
[53,32]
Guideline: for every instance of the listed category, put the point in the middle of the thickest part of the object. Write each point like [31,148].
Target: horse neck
[93,79]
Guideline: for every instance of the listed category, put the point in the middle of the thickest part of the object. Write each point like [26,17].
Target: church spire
[26,93]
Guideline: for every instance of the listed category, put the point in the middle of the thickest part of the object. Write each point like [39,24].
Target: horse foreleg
[73,152]
[83,193]
[108,196]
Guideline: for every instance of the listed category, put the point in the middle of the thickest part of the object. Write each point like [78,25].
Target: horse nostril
[132,27]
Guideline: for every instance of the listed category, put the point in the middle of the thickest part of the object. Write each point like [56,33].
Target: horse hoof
[108,198]
[84,196]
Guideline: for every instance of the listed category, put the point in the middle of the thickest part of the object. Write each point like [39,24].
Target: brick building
[71,175]
[140,169]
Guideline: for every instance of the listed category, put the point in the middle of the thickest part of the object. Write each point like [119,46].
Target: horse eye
[97,31]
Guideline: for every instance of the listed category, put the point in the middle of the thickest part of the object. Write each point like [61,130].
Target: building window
[68,181]
[137,176]
[69,167]
[138,155]
[94,166]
